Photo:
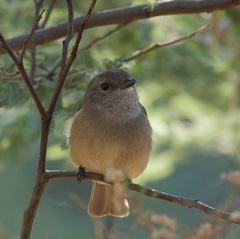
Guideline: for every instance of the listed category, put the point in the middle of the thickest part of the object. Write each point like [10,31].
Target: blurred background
[191,93]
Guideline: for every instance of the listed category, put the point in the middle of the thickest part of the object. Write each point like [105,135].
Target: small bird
[111,130]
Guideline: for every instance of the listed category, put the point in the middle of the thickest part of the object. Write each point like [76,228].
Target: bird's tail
[103,202]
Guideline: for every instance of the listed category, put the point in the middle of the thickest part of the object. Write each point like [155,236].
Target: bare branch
[186,203]
[51,73]
[68,37]
[49,10]
[40,181]
[9,74]
[88,46]
[121,16]
[97,39]
[25,43]
[70,60]
[154,46]
[54,174]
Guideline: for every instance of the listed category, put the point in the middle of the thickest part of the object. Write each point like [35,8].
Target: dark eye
[104,86]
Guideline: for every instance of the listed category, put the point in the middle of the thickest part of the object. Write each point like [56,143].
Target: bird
[111,130]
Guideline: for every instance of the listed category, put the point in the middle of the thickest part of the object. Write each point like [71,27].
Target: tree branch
[25,43]
[49,10]
[9,74]
[70,60]
[84,48]
[38,17]
[121,16]
[154,46]
[97,39]
[68,37]
[185,202]
[40,182]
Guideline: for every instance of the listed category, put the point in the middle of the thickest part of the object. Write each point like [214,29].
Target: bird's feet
[81,174]
[128,182]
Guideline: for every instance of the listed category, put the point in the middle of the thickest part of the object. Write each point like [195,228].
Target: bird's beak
[127,83]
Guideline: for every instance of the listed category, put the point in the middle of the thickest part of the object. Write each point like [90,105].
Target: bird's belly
[98,156]
[102,144]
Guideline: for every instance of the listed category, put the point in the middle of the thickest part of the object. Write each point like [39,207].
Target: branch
[9,74]
[154,46]
[97,39]
[84,48]
[30,212]
[49,10]
[185,202]
[121,16]
[70,60]
[25,43]
[69,35]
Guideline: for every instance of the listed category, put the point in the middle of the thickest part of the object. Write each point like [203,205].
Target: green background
[190,91]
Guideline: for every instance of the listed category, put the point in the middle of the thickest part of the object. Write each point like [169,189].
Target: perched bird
[111,130]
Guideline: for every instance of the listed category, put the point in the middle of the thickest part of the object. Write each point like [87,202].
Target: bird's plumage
[111,130]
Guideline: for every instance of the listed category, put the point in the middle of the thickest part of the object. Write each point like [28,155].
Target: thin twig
[38,6]
[186,203]
[97,39]
[154,46]
[49,10]
[38,16]
[25,43]
[81,28]
[231,217]
[68,37]
[9,74]
[84,48]
[51,73]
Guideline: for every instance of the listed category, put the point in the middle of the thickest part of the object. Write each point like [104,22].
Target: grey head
[108,85]
[112,92]
[111,80]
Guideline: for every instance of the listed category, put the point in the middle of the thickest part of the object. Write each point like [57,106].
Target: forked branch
[46,116]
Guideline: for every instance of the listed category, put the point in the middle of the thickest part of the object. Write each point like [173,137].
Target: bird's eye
[104,86]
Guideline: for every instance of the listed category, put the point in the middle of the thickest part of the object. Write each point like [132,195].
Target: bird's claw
[128,182]
[81,175]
